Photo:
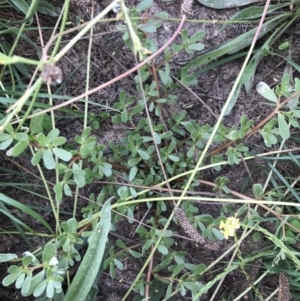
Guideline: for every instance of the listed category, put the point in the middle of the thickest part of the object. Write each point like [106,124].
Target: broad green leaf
[42,140]
[48,159]
[21,136]
[37,157]
[196,37]
[133,172]
[11,278]
[145,4]
[177,48]
[4,136]
[133,161]
[20,281]
[161,15]
[119,264]
[19,148]
[258,190]
[196,46]
[165,78]
[143,154]
[36,123]
[124,115]
[6,143]
[148,28]
[178,269]
[81,284]
[169,290]
[269,138]
[27,260]
[162,249]
[265,91]
[284,46]
[67,190]
[189,126]
[199,269]
[191,286]
[35,281]
[62,154]
[58,187]
[53,134]
[174,158]
[295,223]
[221,4]
[284,129]
[59,141]
[166,135]
[191,151]
[7,257]
[48,252]
[50,289]
[26,285]
[217,233]
[40,288]
[79,175]
[137,109]
[157,138]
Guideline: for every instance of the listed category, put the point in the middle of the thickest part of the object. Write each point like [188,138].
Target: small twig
[244,197]
[116,79]
[255,129]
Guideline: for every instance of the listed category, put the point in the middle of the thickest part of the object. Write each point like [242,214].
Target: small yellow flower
[229,226]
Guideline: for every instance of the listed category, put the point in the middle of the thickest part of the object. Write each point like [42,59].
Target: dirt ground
[112,58]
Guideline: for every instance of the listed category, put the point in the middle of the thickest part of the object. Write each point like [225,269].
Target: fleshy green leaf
[37,157]
[7,257]
[145,4]
[284,129]
[48,252]
[19,148]
[265,91]
[143,154]
[62,154]
[36,123]
[48,159]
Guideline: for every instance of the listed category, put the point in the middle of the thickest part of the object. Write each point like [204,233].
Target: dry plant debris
[186,7]
[284,288]
[51,74]
[192,233]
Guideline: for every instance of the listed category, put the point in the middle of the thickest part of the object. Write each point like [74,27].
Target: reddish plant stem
[244,197]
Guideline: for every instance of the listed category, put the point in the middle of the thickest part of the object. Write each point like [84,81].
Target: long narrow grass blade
[221,4]
[235,44]
[89,267]
[25,209]
[285,182]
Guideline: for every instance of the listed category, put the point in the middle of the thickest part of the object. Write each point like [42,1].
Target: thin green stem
[62,27]
[31,104]
[48,193]
[86,104]
[84,31]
